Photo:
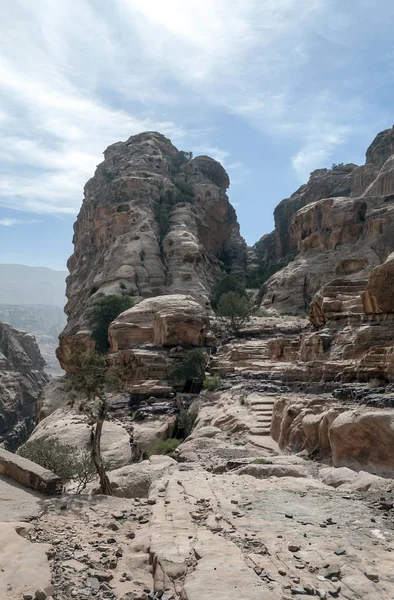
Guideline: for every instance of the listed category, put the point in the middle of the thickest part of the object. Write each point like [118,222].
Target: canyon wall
[340,224]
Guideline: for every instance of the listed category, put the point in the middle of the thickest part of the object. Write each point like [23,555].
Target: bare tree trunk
[96,456]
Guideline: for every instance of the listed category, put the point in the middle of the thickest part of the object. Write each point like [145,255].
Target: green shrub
[164,446]
[234,309]
[211,382]
[101,315]
[163,219]
[107,175]
[261,461]
[67,462]
[228,283]
[257,276]
[191,368]
[178,159]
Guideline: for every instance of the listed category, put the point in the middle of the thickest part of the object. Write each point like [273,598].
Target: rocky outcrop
[360,438]
[29,474]
[22,378]
[340,224]
[153,222]
[161,321]
[44,322]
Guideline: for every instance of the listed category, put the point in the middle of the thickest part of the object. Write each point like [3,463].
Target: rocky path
[23,565]
[202,535]
[16,502]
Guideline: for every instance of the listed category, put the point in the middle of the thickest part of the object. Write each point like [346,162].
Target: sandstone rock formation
[339,224]
[161,321]
[361,438]
[22,378]
[153,222]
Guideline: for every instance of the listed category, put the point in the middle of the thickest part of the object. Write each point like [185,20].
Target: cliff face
[153,221]
[339,224]
[21,380]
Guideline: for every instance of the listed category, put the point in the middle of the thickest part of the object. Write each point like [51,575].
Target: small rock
[113,526]
[293,547]
[40,595]
[282,572]
[288,515]
[151,501]
[101,575]
[118,515]
[309,589]
[93,583]
[27,597]
[298,591]
[332,571]
[339,551]
[372,576]
[335,593]
[322,594]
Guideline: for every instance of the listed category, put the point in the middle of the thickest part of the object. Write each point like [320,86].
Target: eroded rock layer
[153,222]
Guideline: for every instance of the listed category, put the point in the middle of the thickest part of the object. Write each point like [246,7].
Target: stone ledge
[29,474]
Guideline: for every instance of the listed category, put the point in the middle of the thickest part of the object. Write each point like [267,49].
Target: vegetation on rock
[211,382]
[69,463]
[234,309]
[101,315]
[164,446]
[228,283]
[191,368]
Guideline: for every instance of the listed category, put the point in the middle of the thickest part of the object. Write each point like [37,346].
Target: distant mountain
[21,285]
[32,300]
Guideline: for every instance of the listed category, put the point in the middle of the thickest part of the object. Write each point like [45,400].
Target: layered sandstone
[22,378]
[340,224]
[153,222]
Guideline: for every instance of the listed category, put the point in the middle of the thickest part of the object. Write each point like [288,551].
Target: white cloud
[78,76]
[12,222]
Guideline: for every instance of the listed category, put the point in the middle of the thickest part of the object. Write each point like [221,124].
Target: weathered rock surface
[170,320]
[24,566]
[73,429]
[151,223]
[22,378]
[360,438]
[340,223]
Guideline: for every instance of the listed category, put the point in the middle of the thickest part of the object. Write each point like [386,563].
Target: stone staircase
[261,406]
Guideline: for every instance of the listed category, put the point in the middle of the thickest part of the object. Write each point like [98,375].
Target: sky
[271,88]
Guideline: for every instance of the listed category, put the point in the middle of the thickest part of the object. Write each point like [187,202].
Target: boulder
[364,440]
[163,321]
[134,481]
[71,428]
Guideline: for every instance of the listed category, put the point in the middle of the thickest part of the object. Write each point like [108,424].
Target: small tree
[101,315]
[228,283]
[90,375]
[191,368]
[235,310]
